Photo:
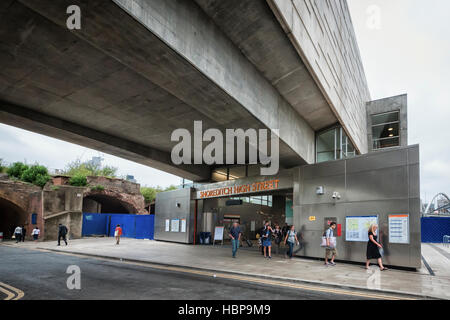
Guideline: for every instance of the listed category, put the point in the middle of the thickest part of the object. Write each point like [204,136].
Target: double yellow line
[11,292]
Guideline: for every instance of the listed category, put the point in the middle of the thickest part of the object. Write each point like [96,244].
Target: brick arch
[115,198]
[17,202]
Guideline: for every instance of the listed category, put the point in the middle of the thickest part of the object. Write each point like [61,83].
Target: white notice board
[167,225]
[175,225]
[218,233]
[183,225]
[399,228]
[357,227]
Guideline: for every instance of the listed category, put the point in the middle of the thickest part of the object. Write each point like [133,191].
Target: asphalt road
[42,275]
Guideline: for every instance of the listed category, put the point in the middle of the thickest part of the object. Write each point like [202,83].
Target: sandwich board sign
[218,234]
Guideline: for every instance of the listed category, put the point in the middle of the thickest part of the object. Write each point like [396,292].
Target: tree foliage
[78,180]
[150,193]
[16,170]
[36,174]
[89,168]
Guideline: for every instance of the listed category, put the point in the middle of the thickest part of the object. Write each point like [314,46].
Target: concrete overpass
[139,69]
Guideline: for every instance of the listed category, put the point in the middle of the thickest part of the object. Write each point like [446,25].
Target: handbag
[332,242]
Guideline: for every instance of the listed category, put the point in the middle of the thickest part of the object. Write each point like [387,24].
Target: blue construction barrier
[133,226]
[434,229]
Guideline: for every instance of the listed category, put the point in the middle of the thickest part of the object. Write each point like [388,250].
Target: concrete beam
[61,129]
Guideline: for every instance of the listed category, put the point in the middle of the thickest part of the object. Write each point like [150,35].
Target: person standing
[235,235]
[267,241]
[24,233]
[330,249]
[35,233]
[118,233]
[373,248]
[18,234]
[62,233]
[291,239]
[278,237]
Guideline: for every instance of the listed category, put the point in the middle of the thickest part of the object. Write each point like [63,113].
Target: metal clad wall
[435,228]
[379,183]
[165,208]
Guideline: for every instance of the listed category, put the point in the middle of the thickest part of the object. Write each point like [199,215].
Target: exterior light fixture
[336,196]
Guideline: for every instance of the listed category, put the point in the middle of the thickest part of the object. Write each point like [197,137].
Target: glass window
[334,144]
[386,130]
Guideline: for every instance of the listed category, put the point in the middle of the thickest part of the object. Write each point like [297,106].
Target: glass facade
[333,144]
[261,200]
[386,130]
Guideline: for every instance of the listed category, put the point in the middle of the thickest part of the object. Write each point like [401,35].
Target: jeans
[62,236]
[235,246]
[291,249]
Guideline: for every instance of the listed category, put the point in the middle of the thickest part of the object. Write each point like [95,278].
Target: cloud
[410,54]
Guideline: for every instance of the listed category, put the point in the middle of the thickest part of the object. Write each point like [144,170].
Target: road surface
[42,275]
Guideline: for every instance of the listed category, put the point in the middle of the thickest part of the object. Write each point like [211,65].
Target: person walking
[18,234]
[267,241]
[35,233]
[291,239]
[235,235]
[278,237]
[118,233]
[24,233]
[62,233]
[373,248]
[261,232]
[330,249]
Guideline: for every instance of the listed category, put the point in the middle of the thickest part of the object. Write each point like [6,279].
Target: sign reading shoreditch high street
[238,189]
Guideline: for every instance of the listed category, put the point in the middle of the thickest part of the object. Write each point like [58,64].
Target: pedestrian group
[289,237]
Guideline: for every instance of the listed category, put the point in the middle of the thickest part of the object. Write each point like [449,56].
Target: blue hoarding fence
[133,226]
[434,229]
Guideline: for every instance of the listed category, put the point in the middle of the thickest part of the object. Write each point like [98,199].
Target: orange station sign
[239,189]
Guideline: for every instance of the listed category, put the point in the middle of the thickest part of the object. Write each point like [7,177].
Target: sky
[405,48]
[409,52]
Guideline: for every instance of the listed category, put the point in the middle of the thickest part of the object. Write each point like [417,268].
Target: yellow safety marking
[13,293]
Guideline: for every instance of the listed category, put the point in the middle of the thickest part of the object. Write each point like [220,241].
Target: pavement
[416,284]
[42,275]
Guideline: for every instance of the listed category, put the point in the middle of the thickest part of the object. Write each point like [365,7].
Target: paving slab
[251,262]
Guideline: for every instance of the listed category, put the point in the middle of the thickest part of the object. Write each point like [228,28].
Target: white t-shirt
[36,231]
[18,230]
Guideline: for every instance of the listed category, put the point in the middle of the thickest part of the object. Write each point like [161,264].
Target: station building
[359,168]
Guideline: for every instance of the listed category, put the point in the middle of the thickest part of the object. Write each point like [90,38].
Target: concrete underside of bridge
[138,70]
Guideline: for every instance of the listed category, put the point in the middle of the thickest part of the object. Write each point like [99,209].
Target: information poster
[399,228]
[175,225]
[218,233]
[357,227]
[167,225]
[183,225]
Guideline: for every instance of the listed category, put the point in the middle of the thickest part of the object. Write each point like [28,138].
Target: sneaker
[270,257]
[326,264]
[332,264]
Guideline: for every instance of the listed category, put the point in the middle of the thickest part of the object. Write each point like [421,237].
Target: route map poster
[357,227]
[399,228]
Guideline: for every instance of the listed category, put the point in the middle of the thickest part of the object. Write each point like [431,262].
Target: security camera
[336,195]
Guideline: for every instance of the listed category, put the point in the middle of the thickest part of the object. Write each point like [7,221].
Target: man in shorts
[330,250]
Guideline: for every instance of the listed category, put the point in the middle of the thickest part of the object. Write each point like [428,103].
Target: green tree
[16,170]
[78,180]
[88,168]
[36,174]
[150,193]
[3,168]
